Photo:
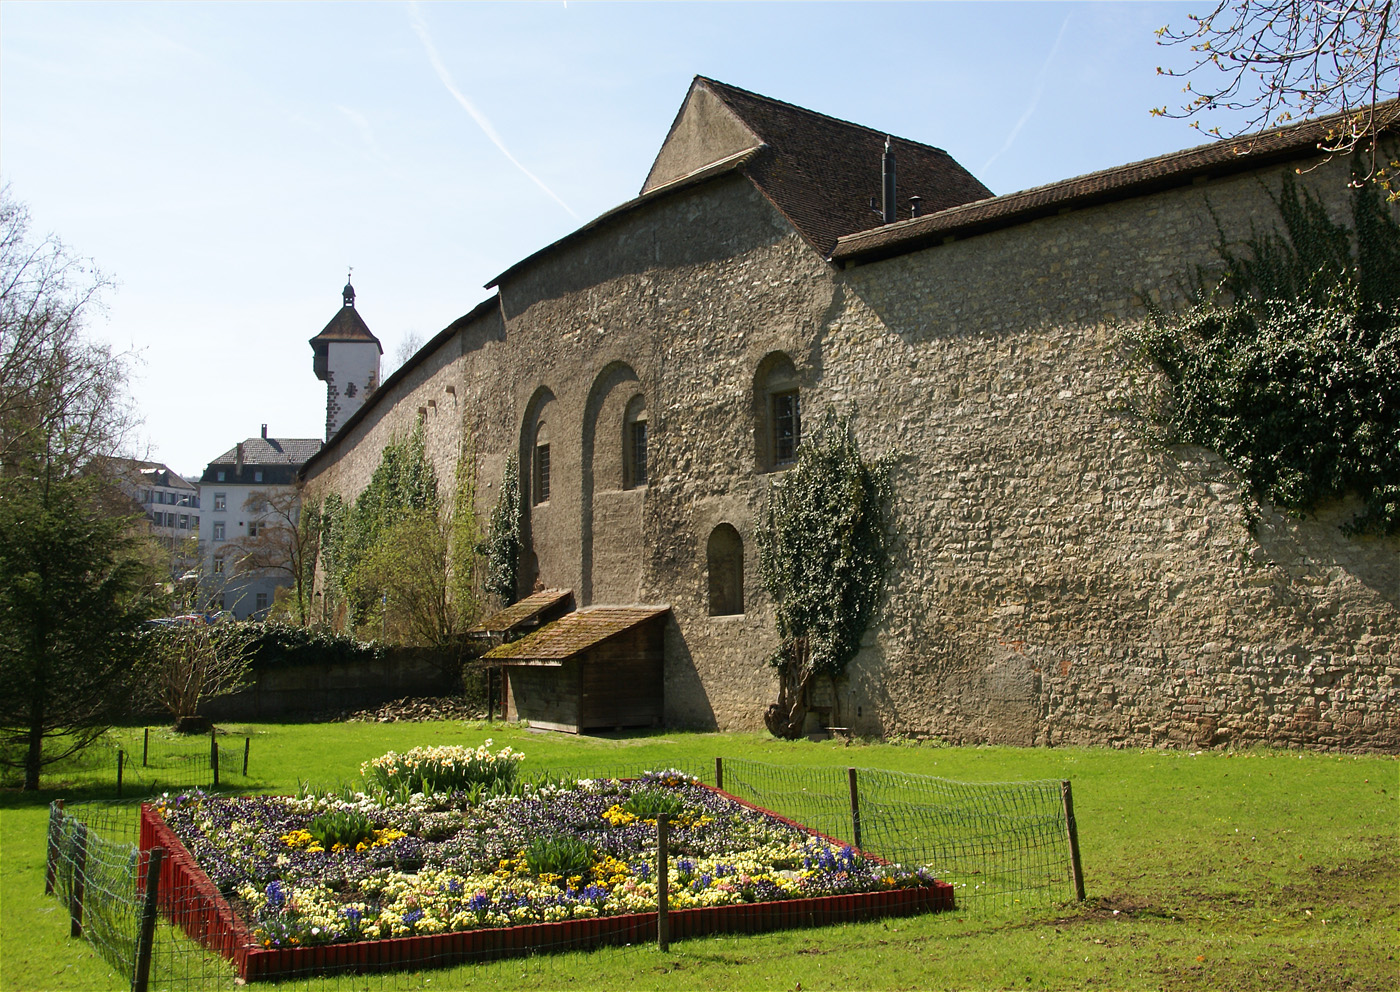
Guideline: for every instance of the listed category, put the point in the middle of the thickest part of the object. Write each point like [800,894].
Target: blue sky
[225,163]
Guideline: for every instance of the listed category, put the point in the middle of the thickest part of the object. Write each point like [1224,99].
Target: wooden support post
[55,831]
[247,743]
[490,694]
[1076,869]
[145,937]
[121,763]
[145,747]
[75,898]
[663,897]
[214,760]
[719,774]
[855,806]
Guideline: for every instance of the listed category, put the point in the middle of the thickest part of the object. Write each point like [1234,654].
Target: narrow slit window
[787,427]
[542,473]
[639,453]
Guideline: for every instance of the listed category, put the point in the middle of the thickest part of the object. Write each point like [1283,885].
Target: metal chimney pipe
[888,175]
[264,432]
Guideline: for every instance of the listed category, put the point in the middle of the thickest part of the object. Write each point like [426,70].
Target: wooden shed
[511,624]
[600,668]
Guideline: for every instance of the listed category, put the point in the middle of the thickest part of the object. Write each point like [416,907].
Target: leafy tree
[75,580]
[1289,364]
[823,551]
[1277,60]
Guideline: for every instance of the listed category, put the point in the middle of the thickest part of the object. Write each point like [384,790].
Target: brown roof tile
[521,613]
[346,325]
[821,171]
[575,632]
[1219,158]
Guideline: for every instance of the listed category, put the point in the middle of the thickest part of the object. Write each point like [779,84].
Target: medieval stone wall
[1057,578]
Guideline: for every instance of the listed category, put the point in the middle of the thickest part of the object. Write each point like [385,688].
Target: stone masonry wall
[1057,578]
[1060,579]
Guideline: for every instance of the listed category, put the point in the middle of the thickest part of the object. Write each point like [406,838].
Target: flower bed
[459,875]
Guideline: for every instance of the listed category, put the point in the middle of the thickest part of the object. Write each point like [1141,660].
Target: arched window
[539,465]
[725,558]
[634,442]
[777,408]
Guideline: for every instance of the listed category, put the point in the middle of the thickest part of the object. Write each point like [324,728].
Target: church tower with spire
[347,360]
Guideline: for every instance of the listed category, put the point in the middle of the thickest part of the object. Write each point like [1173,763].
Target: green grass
[1249,870]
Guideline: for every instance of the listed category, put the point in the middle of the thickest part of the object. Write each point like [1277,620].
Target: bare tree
[1275,61]
[196,662]
[409,346]
[283,537]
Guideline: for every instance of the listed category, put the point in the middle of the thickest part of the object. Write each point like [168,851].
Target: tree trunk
[34,757]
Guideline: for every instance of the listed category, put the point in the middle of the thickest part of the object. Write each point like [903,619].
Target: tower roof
[347,324]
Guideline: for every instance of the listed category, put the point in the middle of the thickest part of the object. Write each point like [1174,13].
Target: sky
[226,163]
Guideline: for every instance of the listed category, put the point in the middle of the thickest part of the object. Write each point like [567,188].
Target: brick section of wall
[1057,578]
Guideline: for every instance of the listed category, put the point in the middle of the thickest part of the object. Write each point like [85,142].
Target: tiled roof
[518,614]
[821,171]
[1219,158]
[272,451]
[575,632]
[347,325]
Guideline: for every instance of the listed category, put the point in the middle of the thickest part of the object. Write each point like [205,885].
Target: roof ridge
[812,113]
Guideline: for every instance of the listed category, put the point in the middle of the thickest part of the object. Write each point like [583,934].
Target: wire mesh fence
[995,842]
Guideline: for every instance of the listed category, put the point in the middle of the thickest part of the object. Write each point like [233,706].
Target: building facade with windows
[248,499]
[1056,578]
[169,503]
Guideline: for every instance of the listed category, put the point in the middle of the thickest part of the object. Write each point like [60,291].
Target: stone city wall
[1057,578]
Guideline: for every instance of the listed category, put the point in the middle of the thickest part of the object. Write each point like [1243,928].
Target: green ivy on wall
[1288,363]
[502,545]
[823,552]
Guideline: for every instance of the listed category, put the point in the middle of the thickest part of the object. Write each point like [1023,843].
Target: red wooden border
[189,898]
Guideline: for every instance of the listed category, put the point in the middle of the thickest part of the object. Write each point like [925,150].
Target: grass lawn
[1242,870]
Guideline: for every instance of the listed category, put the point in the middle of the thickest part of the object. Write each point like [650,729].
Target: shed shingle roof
[521,613]
[575,632]
[1220,158]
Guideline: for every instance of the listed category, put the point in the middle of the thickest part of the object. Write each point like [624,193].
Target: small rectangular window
[262,601]
[194,522]
[218,530]
[218,566]
[220,501]
[639,453]
[787,427]
[219,475]
[253,528]
[542,473]
[257,475]
[185,521]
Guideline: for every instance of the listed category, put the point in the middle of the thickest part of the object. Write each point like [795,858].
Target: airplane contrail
[420,27]
[1035,97]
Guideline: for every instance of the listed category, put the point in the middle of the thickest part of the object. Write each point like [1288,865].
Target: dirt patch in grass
[1117,906]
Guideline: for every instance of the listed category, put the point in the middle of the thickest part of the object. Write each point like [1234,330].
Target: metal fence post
[214,760]
[855,806]
[719,774]
[121,766]
[1076,869]
[75,898]
[55,829]
[247,743]
[145,938]
[663,897]
[145,746]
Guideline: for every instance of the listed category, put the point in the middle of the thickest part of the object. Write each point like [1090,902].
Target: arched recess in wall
[777,412]
[537,484]
[724,560]
[615,462]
